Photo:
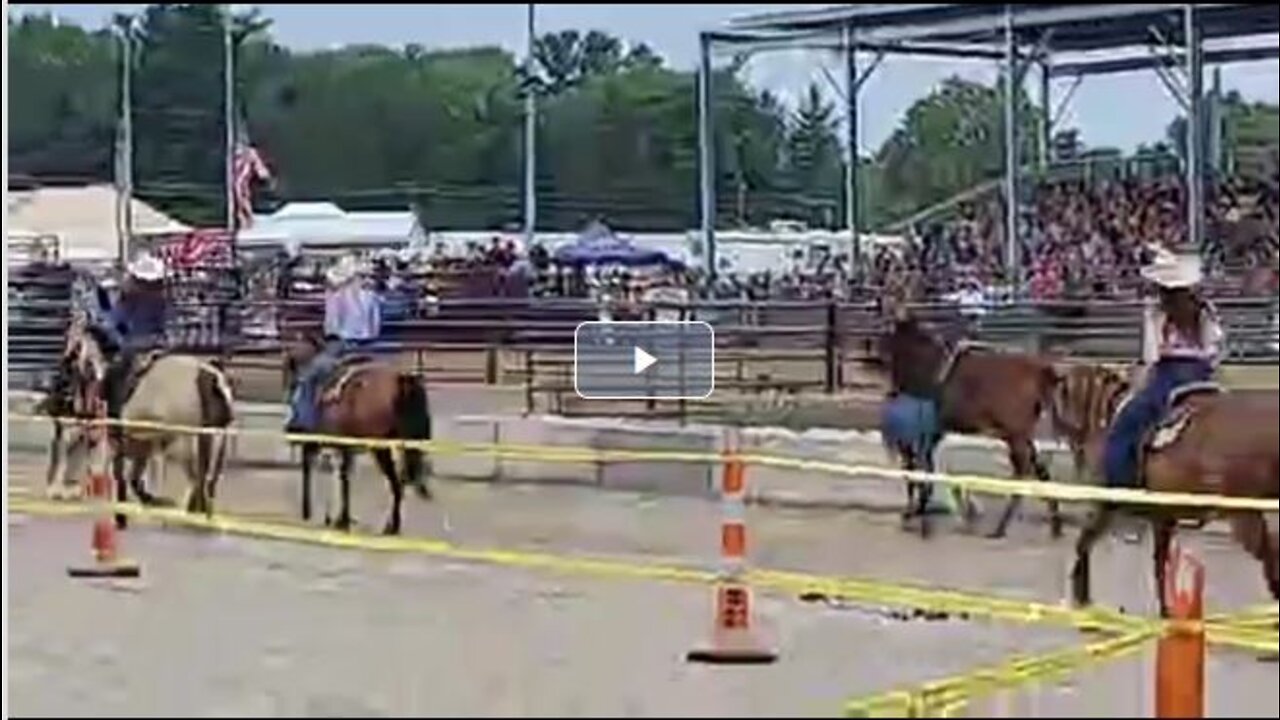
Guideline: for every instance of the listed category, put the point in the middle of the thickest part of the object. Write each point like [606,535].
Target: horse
[365,398]
[1211,441]
[971,390]
[75,399]
[161,390]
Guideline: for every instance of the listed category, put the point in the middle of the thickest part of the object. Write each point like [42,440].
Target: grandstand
[1058,39]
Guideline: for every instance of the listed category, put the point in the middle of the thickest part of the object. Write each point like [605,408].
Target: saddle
[1179,413]
[961,349]
[342,373]
[133,374]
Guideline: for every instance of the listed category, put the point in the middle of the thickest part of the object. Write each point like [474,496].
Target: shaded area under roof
[1070,27]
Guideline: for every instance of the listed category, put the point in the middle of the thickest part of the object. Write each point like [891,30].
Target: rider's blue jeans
[1142,412]
[304,405]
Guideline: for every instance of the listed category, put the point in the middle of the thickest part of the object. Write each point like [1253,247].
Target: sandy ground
[230,626]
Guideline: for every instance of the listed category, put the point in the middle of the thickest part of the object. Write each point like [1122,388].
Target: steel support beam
[1013,272]
[1061,110]
[757,42]
[706,155]
[852,85]
[1154,60]
[1195,135]
[1045,129]
[1173,84]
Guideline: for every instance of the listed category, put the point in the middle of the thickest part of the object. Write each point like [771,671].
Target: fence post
[1180,653]
[832,359]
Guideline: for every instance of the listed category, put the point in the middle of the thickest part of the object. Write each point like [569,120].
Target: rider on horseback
[352,318]
[135,325]
[1181,344]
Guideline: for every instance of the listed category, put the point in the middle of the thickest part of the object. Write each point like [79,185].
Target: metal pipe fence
[829,333]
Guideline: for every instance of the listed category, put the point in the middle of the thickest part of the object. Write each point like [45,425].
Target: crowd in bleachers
[1087,241]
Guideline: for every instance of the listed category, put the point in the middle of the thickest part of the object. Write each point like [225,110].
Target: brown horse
[78,394]
[1220,443]
[976,391]
[365,398]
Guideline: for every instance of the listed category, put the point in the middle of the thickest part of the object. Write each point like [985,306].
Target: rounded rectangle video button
[642,360]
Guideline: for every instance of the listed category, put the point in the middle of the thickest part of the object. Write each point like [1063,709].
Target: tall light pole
[124,148]
[530,138]
[229,121]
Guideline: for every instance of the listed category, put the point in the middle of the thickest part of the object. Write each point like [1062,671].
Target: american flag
[247,166]
[203,248]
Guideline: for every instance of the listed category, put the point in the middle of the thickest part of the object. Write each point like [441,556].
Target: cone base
[725,656]
[117,569]
[733,649]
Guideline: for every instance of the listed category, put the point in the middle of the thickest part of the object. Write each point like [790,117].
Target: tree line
[373,127]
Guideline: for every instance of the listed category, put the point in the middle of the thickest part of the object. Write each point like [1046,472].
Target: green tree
[64,99]
[948,142]
[813,158]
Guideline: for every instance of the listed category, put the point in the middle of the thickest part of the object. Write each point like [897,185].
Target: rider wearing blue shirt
[136,324]
[352,319]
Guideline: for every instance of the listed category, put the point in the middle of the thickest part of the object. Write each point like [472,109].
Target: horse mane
[1085,400]
[915,356]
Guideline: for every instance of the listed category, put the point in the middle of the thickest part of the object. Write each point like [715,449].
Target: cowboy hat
[1172,271]
[343,271]
[147,267]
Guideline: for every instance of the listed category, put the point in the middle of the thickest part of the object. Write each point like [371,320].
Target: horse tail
[413,422]
[215,412]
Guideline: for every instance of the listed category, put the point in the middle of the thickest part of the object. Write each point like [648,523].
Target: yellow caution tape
[999,486]
[943,698]
[962,604]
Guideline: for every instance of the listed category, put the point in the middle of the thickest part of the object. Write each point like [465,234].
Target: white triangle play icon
[642,360]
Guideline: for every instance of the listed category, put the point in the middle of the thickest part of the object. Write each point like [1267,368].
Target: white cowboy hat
[147,267]
[343,271]
[1172,271]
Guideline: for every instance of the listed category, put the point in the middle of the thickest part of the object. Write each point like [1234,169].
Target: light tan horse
[177,391]
[168,391]
[1220,443]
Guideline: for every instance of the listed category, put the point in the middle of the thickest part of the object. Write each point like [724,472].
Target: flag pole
[228,69]
[530,141]
[124,164]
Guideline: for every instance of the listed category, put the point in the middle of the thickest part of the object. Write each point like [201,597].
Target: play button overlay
[643,360]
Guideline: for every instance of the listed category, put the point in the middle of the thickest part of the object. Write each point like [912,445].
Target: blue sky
[1118,110]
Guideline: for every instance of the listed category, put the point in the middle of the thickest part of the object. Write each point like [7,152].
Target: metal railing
[827,333]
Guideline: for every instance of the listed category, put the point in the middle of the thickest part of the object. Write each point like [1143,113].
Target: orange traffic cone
[1180,652]
[106,560]
[732,639]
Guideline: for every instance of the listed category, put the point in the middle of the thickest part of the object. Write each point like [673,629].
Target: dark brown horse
[366,398]
[1220,443]
[976,391]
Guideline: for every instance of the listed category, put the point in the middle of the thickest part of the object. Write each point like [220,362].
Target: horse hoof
[390,529]
[343,523]
[997,534]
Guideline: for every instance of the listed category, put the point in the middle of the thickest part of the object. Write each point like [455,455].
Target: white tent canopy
[83,219]
[319,224]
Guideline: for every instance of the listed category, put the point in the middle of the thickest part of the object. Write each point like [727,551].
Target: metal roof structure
[1059,39]
[1069,27]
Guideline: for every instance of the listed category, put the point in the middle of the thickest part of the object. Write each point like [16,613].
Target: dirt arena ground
[222,625]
